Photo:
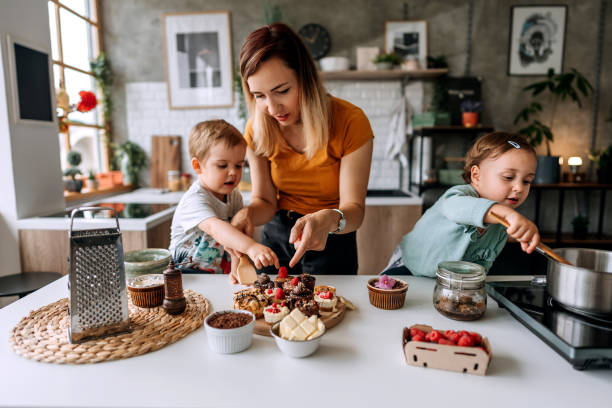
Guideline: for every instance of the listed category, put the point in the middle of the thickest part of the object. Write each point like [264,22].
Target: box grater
[98,294]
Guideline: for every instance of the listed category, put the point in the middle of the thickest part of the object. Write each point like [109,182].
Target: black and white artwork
[408,39]
[198,60]
[537,36]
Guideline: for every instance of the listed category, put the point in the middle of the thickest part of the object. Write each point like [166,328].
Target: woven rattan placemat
[42,335]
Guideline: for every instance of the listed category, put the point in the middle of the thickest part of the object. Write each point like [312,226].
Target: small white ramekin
[294,348]
[227,341]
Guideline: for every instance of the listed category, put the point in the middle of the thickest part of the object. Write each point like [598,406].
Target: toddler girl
[499,170]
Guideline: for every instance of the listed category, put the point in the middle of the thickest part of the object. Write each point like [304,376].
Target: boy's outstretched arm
[228,236]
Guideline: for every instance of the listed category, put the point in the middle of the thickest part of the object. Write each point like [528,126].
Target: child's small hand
[523,230]
[262,256]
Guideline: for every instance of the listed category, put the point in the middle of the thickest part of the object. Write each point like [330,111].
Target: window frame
[96,25]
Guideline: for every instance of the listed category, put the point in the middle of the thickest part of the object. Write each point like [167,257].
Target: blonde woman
[310,156]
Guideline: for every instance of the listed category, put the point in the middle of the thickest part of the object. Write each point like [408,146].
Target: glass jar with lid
[459,293]
[174,180]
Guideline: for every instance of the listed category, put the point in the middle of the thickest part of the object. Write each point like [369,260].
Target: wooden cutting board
[165,155]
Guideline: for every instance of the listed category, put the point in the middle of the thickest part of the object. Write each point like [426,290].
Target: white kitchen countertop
[359,363]
[158,196]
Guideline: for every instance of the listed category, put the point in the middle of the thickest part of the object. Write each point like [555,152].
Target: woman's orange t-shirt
[306,186]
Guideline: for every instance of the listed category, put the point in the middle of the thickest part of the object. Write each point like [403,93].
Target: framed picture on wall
[537,39]
[31,79]
[198,58]
[408,39]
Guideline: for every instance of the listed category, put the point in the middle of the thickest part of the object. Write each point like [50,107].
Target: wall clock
[317,39]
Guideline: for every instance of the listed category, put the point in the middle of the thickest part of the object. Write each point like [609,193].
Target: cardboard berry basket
[472,360]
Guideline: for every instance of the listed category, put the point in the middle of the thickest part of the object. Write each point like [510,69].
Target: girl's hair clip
[516,145]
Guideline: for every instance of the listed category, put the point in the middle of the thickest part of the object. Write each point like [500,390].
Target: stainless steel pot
[585,287]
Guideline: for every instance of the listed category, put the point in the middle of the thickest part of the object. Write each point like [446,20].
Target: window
[75,40]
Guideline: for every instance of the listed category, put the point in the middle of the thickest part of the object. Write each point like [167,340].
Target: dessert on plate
[308,307]
[325,296]
[264,282]
[300,292]
[308,280]
[252,300]
[282,277]
[275,312]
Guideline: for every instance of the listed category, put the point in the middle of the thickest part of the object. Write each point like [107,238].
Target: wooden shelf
[69,196]
[381,75]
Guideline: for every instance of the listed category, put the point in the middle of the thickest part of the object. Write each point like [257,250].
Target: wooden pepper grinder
[174,299]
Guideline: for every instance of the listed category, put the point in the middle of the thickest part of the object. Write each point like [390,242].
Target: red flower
[88,101]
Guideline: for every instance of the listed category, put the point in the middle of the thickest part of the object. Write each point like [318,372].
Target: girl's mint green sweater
[448,231]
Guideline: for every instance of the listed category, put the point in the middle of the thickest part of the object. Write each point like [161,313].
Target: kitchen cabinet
[382,229]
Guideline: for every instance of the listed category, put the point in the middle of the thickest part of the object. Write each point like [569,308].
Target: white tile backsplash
[148,114]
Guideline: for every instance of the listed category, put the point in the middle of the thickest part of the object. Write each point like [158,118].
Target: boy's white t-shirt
[186,239]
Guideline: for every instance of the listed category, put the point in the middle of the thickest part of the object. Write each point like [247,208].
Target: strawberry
[282,272]
[414,332]
[418,337]
[435,336]
[279,294]
[466,341]
[295,281]
[325,295]
[477,337]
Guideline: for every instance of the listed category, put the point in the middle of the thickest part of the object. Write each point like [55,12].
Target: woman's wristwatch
[341,222]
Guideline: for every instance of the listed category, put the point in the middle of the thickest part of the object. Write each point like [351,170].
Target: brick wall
[148,114]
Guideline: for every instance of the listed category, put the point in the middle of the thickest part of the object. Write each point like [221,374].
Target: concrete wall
[31,181]
[133,41]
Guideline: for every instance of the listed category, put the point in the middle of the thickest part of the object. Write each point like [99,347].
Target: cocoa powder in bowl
[229,320]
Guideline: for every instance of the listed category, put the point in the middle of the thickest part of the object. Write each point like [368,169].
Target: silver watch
[341,222]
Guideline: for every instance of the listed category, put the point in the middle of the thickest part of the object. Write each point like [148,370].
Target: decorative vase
[73,185]
[548,170]
[469,119]
[383,65]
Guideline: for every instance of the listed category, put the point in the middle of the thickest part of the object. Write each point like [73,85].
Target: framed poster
[198,57]
[31,79]
[408,39]
[537,39]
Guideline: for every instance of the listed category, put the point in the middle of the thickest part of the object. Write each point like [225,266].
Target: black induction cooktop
[585,342]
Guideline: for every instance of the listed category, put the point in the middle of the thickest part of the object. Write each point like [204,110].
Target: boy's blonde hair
[205,135]
[280,41]
[491,146]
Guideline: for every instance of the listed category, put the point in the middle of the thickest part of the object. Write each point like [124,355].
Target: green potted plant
[557,88]
[603,160]
[387,61]
[133,159]
[71,183]
[92,183]
[580,223]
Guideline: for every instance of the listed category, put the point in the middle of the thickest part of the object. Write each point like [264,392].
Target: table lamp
[575,162]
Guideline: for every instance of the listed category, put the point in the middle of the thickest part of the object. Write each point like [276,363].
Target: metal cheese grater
[98,295]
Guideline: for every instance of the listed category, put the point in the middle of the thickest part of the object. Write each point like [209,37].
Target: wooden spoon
[541,248]
[246,271]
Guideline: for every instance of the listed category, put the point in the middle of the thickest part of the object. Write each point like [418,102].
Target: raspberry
[325,295]
[279,294]
[466,341]
[295,281]
[282,272]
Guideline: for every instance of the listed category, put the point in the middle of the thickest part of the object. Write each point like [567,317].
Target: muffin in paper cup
[388,299]
[146,290]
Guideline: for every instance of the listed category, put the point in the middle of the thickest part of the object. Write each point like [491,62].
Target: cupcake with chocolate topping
[263,282]
[282,277]
[300,292]
[308,307]
[289,285]
[308,280]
